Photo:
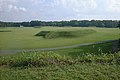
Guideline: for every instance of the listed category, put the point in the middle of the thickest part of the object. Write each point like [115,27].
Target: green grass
[92,53]
[94,62]
[23,38]
[63,72]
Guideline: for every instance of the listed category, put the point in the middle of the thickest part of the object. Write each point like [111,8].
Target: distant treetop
[71,23]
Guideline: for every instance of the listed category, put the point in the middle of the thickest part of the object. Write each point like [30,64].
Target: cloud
[75,5]
[15,8]
[4,3]
[10,5]
[37,2]
[59,9]
[23,9]
[113,5]
[78,5]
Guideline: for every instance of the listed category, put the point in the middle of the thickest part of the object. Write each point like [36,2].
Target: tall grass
[81,63]
[51,58]
[98,53]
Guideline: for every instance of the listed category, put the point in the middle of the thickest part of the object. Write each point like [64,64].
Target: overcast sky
[27,10]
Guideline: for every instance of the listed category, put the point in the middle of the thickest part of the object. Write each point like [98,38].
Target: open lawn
[24,38]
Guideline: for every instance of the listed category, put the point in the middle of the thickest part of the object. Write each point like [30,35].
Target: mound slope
[64,34]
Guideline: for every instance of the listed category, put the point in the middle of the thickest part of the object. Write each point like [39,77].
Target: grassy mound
[64,34]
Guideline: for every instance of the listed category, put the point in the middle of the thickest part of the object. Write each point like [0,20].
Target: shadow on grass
[5,31]
[96,49]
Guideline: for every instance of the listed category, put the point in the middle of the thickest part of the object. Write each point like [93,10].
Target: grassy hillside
[65,34]
[23,38]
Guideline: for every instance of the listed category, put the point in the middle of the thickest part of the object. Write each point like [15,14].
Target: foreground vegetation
[24,38]
[94,62]
[84,71]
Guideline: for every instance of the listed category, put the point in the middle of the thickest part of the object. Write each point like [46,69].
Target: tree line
[72,23]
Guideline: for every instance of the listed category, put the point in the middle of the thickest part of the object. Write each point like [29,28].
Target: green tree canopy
[118,25]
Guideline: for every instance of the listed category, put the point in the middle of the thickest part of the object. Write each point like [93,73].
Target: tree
[118,25]
[119,35]
[26,24]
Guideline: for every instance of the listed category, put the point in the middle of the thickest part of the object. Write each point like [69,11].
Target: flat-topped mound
[65,34]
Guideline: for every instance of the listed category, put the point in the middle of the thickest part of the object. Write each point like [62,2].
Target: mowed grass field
[24,38]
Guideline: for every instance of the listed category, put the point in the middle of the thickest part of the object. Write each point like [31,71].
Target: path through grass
[93,62]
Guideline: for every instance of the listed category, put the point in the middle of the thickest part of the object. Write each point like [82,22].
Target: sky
[57,10]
